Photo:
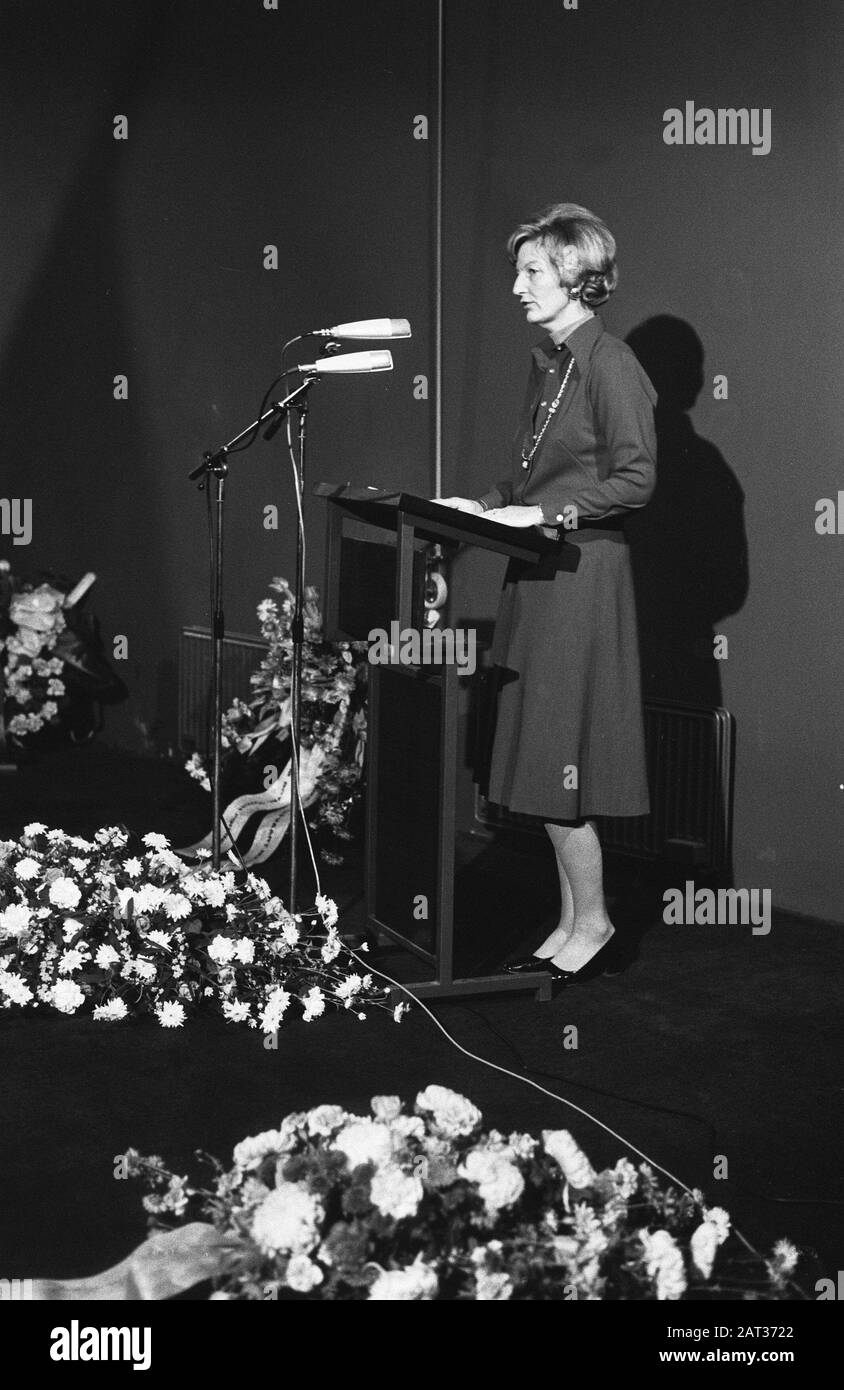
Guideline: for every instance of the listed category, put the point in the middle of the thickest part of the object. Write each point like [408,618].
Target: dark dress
[569,738]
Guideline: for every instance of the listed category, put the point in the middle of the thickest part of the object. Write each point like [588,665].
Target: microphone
[79,590]
[365,328]
[380,361]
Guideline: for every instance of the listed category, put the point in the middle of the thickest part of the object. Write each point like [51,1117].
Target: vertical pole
[217,631]
[438,261]
[298,635]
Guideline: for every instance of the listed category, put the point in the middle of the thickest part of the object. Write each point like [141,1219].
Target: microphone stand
[298,635]
[215,465]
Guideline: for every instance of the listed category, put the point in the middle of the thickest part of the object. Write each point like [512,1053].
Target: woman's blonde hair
[566,224]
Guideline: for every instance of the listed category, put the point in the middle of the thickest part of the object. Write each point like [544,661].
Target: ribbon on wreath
[168,1263]
[273,805]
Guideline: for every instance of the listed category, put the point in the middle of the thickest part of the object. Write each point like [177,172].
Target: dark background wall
[249,127]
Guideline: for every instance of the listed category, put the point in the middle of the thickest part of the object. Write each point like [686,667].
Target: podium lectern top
[380,576]
[431,521]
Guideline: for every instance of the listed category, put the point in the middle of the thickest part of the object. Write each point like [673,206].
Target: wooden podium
[375,574]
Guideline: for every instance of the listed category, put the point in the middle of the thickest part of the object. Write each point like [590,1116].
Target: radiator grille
[242,654]
[690,755]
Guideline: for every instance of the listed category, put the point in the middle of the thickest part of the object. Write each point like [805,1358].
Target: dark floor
[714,1042]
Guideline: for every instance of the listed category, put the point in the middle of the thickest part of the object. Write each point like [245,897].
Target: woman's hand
[460,504]
[516,516]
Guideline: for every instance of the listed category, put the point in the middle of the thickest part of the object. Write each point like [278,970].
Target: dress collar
[580,343]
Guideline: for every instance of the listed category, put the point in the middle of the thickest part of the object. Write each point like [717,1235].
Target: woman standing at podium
[569,737]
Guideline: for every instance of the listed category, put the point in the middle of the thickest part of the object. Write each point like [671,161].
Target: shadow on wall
[688,546]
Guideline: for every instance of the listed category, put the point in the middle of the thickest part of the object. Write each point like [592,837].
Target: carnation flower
[177,906]
[27,868]
[244,949]
[143,968]
[219,888]
[396,1193]
[704,1244]
[14,919]
[576,1167]
[70,961]
[266,610]
[408,1127]
[174,1199]
[498,1181]
[720,1219]
[664,1261]
[418,1282]
[71,928]
[625,1179]
[64,893]
[112,1012]
[327,909]
[386,1108]
[78,863]
[154,841]
[348,988]
[15,988]
[302,1274]
[451,1113]
[290,933]
[160,938]
[170,1015]
[786,1256]
[324,1119]
[522,1145]
[250,1153]
[587,1228]
[274,1010]
[106,956]
[236,1010]
[258,886]
[148,898]
[365,1141]
[314,1002]
[221,949]
[208,889]
[66,996]
[331,947]
[165,858]
[287,1220]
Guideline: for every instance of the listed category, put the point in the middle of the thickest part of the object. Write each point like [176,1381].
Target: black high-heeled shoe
[524,965]
[610,959]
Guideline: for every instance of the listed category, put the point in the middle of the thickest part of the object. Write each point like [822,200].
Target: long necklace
[552,409]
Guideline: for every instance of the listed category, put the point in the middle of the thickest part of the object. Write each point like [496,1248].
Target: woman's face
[537,286]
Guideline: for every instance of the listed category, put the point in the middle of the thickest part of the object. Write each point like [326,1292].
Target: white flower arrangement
[428,1206]
[333,710]
[85,924]
[31,623]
